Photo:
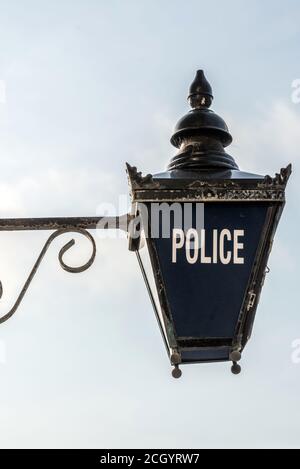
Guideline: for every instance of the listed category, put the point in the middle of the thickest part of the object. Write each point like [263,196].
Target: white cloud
[268,141]
[78,191]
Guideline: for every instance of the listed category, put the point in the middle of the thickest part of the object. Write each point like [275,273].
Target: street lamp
[205,262]
[202,232]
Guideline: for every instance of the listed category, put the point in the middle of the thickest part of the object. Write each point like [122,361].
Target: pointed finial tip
[200,92]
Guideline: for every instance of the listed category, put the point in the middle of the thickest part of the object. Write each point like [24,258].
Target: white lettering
[192,258]
[178,243]
[237,247]
[204,258]
[224,259]
[215,246]
[225,246]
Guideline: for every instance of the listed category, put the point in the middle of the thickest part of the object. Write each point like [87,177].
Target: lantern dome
[201,135]
[201,122]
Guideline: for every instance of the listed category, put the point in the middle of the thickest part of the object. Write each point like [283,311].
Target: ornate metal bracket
[61,225]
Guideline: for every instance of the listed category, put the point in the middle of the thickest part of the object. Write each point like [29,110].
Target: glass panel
[144,259]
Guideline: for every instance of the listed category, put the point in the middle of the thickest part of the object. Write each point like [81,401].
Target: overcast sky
[85,87]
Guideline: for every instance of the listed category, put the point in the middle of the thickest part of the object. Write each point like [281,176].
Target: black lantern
[202,233]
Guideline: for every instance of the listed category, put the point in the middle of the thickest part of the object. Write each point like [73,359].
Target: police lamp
[202,233]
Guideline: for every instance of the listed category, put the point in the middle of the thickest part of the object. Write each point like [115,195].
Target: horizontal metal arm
[61,223]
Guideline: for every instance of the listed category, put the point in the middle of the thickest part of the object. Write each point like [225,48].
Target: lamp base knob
[236,369]
[176,372]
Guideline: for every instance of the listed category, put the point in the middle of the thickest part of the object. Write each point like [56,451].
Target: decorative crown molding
[280,179]
[145,188]
[137,180]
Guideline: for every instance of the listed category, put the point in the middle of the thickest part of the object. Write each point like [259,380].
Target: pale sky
[89,85]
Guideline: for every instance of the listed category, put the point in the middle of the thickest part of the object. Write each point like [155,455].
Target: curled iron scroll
[65,266]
